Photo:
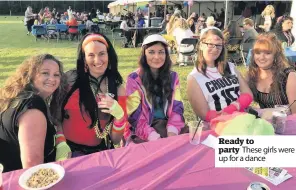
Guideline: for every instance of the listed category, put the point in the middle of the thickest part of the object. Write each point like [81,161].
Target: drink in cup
[195,130]
[279,121]
[282,108]
[1,180]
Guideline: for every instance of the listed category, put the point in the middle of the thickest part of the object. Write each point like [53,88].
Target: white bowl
[29,172]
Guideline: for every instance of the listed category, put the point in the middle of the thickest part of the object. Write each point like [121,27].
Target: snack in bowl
[42,176]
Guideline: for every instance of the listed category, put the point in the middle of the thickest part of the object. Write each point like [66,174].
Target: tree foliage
[19,7]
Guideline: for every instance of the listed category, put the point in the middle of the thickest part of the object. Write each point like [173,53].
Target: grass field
[15,46]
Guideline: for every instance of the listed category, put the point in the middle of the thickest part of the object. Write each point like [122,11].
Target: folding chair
[52,29]
[39,30]
[94,28]
[244,49]
[74,33]
[82,29]
[102,27]
[62,30]
[187,43]
[118,34]
[233,48]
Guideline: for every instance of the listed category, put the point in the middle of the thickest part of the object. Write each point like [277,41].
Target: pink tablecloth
[171,163]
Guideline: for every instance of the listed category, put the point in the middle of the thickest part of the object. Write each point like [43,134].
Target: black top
[269,100]
[9,144]
[285,37]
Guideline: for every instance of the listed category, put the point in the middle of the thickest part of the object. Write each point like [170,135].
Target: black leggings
[30,23]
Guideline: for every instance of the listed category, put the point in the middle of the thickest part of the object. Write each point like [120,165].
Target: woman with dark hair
[270,77]
[94,108]
[283,31]
[155,108]
[214,86]
[29,110]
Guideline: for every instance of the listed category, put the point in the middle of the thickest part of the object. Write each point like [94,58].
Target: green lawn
[15,46]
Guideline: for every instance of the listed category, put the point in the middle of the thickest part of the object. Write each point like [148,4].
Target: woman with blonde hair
[210,21]
[267,19]
[30,108]
[170,25]
[214,86]
[270,76]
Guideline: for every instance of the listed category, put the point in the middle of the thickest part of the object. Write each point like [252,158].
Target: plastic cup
[279,121]
[195,131]
[1,181]
[282,108]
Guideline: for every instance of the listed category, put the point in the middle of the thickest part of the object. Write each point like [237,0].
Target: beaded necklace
[106,131]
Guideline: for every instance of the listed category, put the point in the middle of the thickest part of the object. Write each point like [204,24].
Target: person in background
[69,10]
[64,18]
[210,22]
[141,20]
[58,17]
[30,103]
[270,77]
[94,109]
[232,31]
[72,22]
[54,11]
[29,19]
[164,23]
[98,13]
[53,20]
[36,20]
[221,18]
[170,24]
[215,87]
[88,23]
[93,14]
[190,21]
[41,16]
[46,15]
[267,19]
[126,32]
[283,31]
[250,35]
[200,25]
[155,108]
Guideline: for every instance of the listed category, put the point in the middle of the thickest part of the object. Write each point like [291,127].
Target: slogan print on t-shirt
[223,91]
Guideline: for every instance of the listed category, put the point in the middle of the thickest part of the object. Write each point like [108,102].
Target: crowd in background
[48,115]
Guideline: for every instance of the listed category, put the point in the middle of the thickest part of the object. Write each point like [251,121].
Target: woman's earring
[85,67]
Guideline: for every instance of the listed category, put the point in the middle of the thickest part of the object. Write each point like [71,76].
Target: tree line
[19,7]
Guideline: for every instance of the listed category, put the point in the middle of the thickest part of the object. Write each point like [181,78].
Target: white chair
[187,42]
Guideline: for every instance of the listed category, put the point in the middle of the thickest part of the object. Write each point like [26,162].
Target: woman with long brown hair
[215,86]
[155,108]
[270,76]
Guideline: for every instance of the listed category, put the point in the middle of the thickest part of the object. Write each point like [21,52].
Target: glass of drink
[195,130]
[1,181]
[279,121]
[282,108]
